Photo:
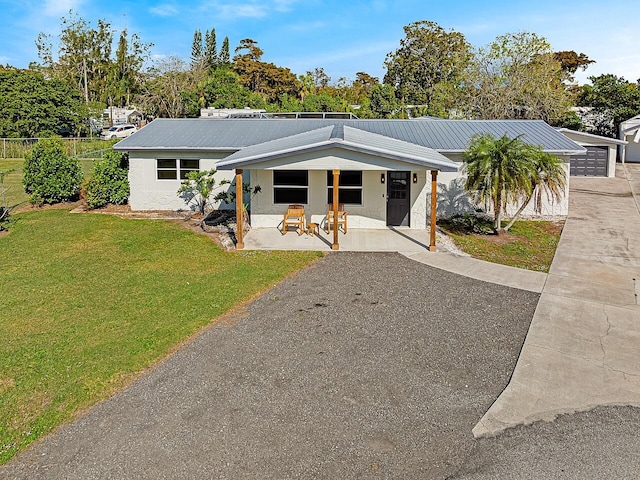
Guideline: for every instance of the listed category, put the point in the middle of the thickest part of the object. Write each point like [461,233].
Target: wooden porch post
[239,212]
[434,193]
[336,186]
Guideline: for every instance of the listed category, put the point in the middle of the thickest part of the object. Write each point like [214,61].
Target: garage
[593,163]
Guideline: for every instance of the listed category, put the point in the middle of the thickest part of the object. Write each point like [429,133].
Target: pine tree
[224,59]
[196,50]
[211,49]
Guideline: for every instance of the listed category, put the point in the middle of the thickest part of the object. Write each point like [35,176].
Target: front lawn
[88,302]
[529,244]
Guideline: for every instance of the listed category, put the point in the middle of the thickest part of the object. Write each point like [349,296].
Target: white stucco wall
[149,193]
[371,214]
[632,150]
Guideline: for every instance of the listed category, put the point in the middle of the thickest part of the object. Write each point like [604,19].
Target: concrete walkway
[582,349]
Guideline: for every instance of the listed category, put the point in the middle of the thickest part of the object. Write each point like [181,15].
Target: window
[167,168]
[290,186]
[350,191]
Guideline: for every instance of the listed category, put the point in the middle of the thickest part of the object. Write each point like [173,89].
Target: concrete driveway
[583,347]
[363,365]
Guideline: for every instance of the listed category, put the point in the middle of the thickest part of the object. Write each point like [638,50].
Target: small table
[312,228]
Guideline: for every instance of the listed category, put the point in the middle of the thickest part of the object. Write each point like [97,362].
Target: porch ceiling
[380,152]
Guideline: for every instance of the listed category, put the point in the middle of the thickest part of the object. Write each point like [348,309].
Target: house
[384,170]
[630,131]
[117,115]
[599,158]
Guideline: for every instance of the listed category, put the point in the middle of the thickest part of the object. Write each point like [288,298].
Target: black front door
[398,201]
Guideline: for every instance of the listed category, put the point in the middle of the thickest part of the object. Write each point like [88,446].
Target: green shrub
[50,176]
[109,181]
[477,222]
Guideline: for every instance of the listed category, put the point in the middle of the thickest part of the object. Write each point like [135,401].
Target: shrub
[109,182]
[50,176]
[468,223]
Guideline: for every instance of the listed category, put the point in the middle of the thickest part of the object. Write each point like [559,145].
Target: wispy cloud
[54,8]
[306,26]
[164,10]
[236,10]
[284,5]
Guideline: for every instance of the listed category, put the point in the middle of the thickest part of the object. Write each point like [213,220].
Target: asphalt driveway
[361,365]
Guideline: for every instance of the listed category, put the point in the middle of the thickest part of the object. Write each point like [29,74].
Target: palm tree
[508,171]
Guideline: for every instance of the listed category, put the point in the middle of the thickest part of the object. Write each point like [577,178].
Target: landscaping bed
[529,244]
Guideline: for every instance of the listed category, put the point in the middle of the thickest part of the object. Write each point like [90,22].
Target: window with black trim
[172,169]
[350,187]
[290,186]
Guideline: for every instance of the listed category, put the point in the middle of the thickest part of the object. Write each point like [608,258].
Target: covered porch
[385,185]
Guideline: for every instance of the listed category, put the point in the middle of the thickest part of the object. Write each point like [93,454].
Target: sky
[341,36]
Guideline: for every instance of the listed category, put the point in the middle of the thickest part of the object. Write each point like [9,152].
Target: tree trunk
[517,214]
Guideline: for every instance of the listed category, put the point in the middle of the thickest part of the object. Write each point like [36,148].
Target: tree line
[434,72]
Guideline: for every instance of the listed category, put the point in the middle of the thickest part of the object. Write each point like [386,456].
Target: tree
[197,188]
[517,77]
[84,55]
[266,79]
[506,171]
[109,182]
[163,92]
[383,101]
[197,54]
[211,50]
[571,61]
[224,57]
[35,106]
[429,66]
[222,89]
[50,176]
[613,99]
[124,78]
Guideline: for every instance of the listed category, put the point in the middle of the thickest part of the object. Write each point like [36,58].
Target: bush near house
[50,176]
[109,182]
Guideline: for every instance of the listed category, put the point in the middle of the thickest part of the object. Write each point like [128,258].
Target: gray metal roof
[445,136]
[592,136]
[344,137]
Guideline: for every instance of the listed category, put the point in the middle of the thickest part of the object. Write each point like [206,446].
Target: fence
[76,147]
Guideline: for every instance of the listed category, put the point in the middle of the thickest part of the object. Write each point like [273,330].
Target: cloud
[164,10]
[236,10]
[306,26]
[55,8]
[283,5]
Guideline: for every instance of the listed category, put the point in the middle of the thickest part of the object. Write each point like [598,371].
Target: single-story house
[630,131]
[599,158]
[384,170]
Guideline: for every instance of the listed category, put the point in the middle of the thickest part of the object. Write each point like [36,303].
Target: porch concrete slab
[355,240]
[581,350]
[481,270]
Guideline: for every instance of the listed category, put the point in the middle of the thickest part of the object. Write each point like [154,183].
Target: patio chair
[294,218]
[342,217]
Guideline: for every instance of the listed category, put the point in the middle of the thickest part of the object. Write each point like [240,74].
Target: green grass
[529,245]
[88,301]
[15,194]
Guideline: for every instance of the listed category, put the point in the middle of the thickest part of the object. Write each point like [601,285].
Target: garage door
[591,164]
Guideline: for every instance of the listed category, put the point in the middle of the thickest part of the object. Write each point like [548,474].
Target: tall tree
[163,92]
[197,53]
[124,78]
[211,49]
[84,55]
[428,67]
[224,57]
[506,171]
[517,77]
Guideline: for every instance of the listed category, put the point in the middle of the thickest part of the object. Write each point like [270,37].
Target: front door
[398,200]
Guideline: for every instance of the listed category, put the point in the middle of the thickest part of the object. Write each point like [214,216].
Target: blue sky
[342,36]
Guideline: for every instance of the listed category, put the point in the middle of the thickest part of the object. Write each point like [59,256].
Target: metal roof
[445,136]
[339,136]
[591,136]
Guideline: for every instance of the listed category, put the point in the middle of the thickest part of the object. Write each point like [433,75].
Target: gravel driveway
[363,365]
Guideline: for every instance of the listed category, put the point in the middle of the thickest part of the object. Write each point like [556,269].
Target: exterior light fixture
[382,177]
[415,178]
